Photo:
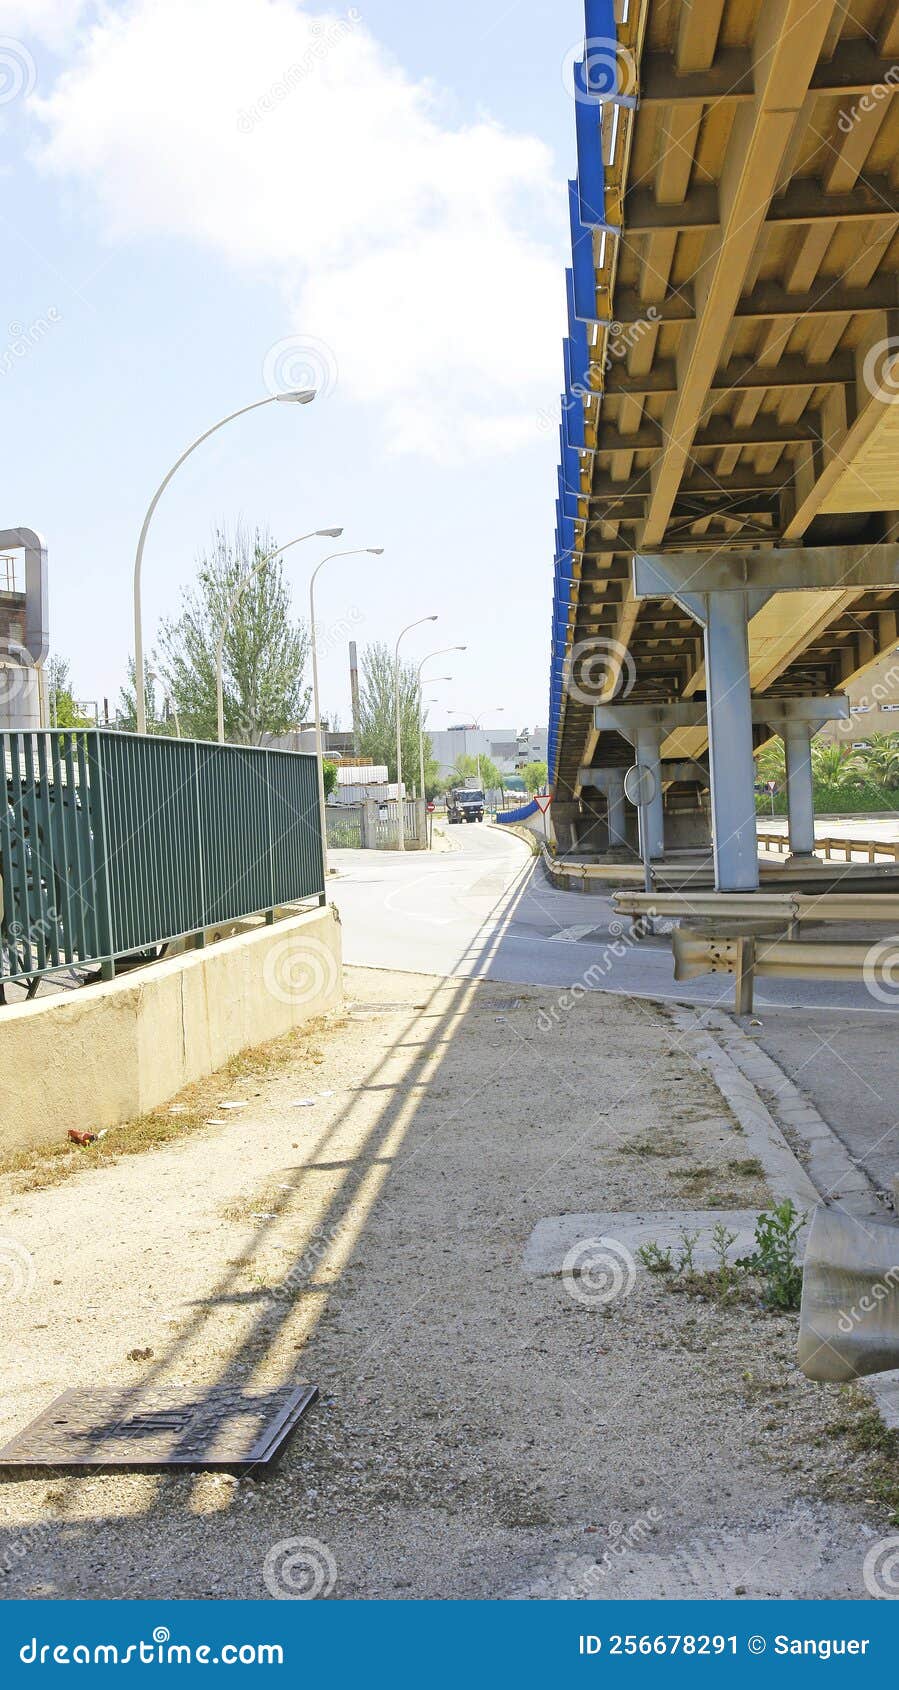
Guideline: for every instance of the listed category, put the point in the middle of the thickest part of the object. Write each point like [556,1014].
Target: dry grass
[188,1112]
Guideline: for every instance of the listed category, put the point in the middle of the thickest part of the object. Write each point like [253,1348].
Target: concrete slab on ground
[592,1245]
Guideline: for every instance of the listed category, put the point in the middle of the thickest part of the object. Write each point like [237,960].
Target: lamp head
[328,533]
[375,551]
[298,396]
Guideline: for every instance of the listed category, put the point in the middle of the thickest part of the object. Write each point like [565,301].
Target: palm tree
[834,764]
[882,761]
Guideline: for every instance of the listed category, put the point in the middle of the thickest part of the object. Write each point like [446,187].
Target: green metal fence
[112,844]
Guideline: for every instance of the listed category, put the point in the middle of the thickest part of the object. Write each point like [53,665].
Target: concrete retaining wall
[108,1053]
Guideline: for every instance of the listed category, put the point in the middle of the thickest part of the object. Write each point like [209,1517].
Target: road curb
[747,1076]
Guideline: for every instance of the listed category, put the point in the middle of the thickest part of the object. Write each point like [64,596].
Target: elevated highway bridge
[727,533]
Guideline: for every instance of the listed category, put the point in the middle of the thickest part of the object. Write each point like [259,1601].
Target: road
[486,910]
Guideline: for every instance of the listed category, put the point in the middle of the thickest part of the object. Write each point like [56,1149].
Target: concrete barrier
[109,1053]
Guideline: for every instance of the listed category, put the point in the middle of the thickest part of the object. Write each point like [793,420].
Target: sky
[205,201]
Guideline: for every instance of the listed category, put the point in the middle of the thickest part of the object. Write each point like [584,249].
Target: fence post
[369,824]
[270,912]
[103,889]
[200,937]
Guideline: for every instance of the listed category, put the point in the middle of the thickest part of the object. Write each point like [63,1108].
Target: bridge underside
[732,378]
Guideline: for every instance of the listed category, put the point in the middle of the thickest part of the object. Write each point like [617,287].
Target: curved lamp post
[355,551]
[443,652]
[400,806]
[316,534]
[302,397]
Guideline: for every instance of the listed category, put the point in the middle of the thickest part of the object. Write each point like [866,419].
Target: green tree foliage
[846,775]
[329,771]
[535,776]
[466,768]
[160,717]
[64,711]
[377,716]
[265,650]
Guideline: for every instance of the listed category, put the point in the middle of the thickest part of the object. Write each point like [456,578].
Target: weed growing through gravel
[773,1264]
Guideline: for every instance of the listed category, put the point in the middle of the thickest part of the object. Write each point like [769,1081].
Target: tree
[160,719]
[834,764]
[535,776]
[64,711]
[329,771]
[466,768]
[881,761]
[770,762]
[377,715]
[265,651]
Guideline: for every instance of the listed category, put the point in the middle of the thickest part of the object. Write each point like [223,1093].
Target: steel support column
[734,828]
[648,746]
[797,738]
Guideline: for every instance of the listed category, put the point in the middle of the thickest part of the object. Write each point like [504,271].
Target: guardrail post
[744,975]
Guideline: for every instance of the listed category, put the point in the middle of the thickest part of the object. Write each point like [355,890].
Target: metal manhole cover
[165,1426]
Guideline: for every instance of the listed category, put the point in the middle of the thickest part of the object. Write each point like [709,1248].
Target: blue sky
[191,183]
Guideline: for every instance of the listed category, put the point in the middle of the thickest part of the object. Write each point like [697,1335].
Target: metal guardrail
[841,850]
[113,844]
[782,907]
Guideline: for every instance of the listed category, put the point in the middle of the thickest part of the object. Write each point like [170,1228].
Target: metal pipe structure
[355,551]
[303,396]
[401,831]
[260,564]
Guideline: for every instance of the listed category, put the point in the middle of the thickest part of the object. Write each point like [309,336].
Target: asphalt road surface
[486,910]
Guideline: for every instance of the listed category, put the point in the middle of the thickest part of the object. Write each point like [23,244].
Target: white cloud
[50,21]
[289,143]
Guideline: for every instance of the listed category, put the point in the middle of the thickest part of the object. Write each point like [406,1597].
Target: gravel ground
[479,1433]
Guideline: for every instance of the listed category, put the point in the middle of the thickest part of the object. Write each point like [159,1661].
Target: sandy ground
[479,1433]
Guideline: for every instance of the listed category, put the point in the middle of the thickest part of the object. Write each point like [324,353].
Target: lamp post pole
[401,837]
[443,652]
[301,397]
[355,551]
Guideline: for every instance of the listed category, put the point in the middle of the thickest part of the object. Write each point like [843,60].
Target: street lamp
[355,551]
[401,841]
[301,397]
[316,534]
[443,652]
